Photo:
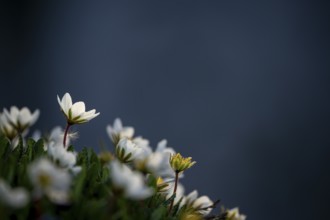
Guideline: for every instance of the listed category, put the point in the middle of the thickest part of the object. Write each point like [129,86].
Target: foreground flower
[131,182]
[233,214]
[13,197]
[117,131]
[202,204]
[21,119]
[74,113]
[179,163]
[49,180]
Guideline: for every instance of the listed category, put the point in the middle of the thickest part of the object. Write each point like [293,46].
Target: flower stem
[174,191]
[66,133]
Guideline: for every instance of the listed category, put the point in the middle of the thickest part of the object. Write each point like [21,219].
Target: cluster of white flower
[136,151]
[16,122]
[134,162]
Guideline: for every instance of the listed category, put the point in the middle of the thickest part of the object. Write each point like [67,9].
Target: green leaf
[159,213]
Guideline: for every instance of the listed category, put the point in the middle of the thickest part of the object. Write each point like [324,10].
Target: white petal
[66,103]
[24,116]
[117,125]
[34,117]
[191,197]
[60,103]
[77,109]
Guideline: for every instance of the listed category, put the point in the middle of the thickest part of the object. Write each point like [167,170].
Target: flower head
[49,180]
[126,150]
[75,113]
[131,182]
[13,197]
[20,119]
[179,163]
[158,162]
[6,128]
[65,158]
[117,131]
[233,214]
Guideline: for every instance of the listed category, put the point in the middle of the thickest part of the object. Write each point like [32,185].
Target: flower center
[44,180]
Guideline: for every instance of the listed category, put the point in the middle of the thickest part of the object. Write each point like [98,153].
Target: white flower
[118,132]
[21,119]
[126,150]
[202,204]
[75,113]
[131,182]
[13,197]
[49,180]
[6,128]
[233,214]
[145,151]
[60,154]
[66,159]
[158,162]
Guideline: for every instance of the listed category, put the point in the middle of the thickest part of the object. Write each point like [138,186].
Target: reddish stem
[174,191]
[66,133]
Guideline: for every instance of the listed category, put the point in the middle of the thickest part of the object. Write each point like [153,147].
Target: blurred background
[241,86]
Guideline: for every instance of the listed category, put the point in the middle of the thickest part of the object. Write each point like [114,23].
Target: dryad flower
[126,150]
[131,182]
[21,119]
[75,113]
[202,204]
[6,128]
[179,163]
[65,158]
[13,197]
[49,180]
[158,162]
[233,214]
[117,131]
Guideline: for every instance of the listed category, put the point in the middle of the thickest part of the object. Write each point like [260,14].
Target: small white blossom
[6,128]
[158,162]
[14,197]
[145,151]
[126,150]
[117,131]
[21,119]
[49,180]
[75,113]
[60,154]
[131,182]
[202,204]
[66,159]
[233,214]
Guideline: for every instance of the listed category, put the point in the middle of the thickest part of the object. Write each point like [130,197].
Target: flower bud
[179,163]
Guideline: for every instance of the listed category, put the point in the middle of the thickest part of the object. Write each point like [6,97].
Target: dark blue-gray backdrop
[241,86]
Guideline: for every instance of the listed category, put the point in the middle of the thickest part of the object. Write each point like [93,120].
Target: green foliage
[92,195]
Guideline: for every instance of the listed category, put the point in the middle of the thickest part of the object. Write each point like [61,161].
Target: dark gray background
[241,86]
